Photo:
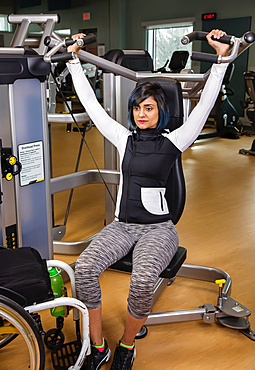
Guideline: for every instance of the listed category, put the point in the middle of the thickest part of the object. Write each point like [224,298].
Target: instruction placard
[31,159]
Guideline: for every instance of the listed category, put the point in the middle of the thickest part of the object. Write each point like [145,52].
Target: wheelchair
[18,319]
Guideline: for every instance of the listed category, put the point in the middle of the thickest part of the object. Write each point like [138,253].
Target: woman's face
[146,114]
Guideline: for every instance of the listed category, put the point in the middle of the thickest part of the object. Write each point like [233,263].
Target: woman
[147,153]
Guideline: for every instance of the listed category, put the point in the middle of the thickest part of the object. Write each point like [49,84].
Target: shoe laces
[120,358]
[94,355]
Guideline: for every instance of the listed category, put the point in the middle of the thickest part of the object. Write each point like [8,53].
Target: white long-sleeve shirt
[142,188]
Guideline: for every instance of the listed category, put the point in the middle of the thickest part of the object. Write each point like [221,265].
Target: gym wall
[119,21]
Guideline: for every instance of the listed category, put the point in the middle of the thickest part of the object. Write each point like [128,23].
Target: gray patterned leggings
[155,246]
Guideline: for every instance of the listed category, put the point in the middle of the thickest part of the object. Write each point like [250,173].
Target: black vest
[147,162]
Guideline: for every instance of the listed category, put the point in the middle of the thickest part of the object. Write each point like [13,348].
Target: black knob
[249,37]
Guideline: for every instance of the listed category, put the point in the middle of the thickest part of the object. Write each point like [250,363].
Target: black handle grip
[200,35]
[89,39]
[202,57]
[69,42]
[62,57]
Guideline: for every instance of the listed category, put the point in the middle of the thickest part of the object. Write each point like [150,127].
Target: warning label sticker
[31,159]
[237,308]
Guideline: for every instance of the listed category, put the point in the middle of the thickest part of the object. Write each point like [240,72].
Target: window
[4,24]
[64,33]
[165,38]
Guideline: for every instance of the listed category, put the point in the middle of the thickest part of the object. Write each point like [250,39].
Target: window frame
[161,24]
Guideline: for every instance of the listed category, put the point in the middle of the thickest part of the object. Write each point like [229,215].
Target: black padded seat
[125,264]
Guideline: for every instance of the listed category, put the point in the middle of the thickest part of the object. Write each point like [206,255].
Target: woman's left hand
[75,48]
[221,48]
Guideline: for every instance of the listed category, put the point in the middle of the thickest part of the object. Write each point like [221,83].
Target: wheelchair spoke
[10,329]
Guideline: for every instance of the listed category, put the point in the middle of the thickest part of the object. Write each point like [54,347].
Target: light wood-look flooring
[217,228]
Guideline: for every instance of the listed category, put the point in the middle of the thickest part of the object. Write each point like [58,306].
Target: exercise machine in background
[177,63]
[249,105]
[224,113]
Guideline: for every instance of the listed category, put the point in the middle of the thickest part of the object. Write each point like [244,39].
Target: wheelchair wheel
[15,321]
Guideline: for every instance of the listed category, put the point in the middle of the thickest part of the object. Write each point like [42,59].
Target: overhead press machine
[24,136]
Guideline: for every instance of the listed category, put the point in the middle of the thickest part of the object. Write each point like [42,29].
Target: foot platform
[237,316]
[249,333]
[234,322]
[65,356]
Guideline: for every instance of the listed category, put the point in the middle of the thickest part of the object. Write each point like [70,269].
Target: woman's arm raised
[109,128]
[184,136]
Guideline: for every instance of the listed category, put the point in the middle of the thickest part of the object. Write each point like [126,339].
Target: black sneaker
[99,358]
[123,358]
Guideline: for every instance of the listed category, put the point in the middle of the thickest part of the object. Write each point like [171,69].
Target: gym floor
[217,228]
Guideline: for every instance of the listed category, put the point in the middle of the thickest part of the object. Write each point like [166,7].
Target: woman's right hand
[221,49]
[75,48]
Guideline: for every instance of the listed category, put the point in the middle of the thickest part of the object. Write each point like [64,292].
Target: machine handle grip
[89,39]
[202,57]
[200,35]
[63,57]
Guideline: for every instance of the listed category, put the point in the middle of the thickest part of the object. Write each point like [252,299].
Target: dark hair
[144,91]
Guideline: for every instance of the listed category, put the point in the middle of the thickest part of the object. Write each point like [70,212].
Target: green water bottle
[57,288]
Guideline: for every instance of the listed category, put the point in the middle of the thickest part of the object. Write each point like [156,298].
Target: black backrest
[176,191]
[178,60]
[139,60]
